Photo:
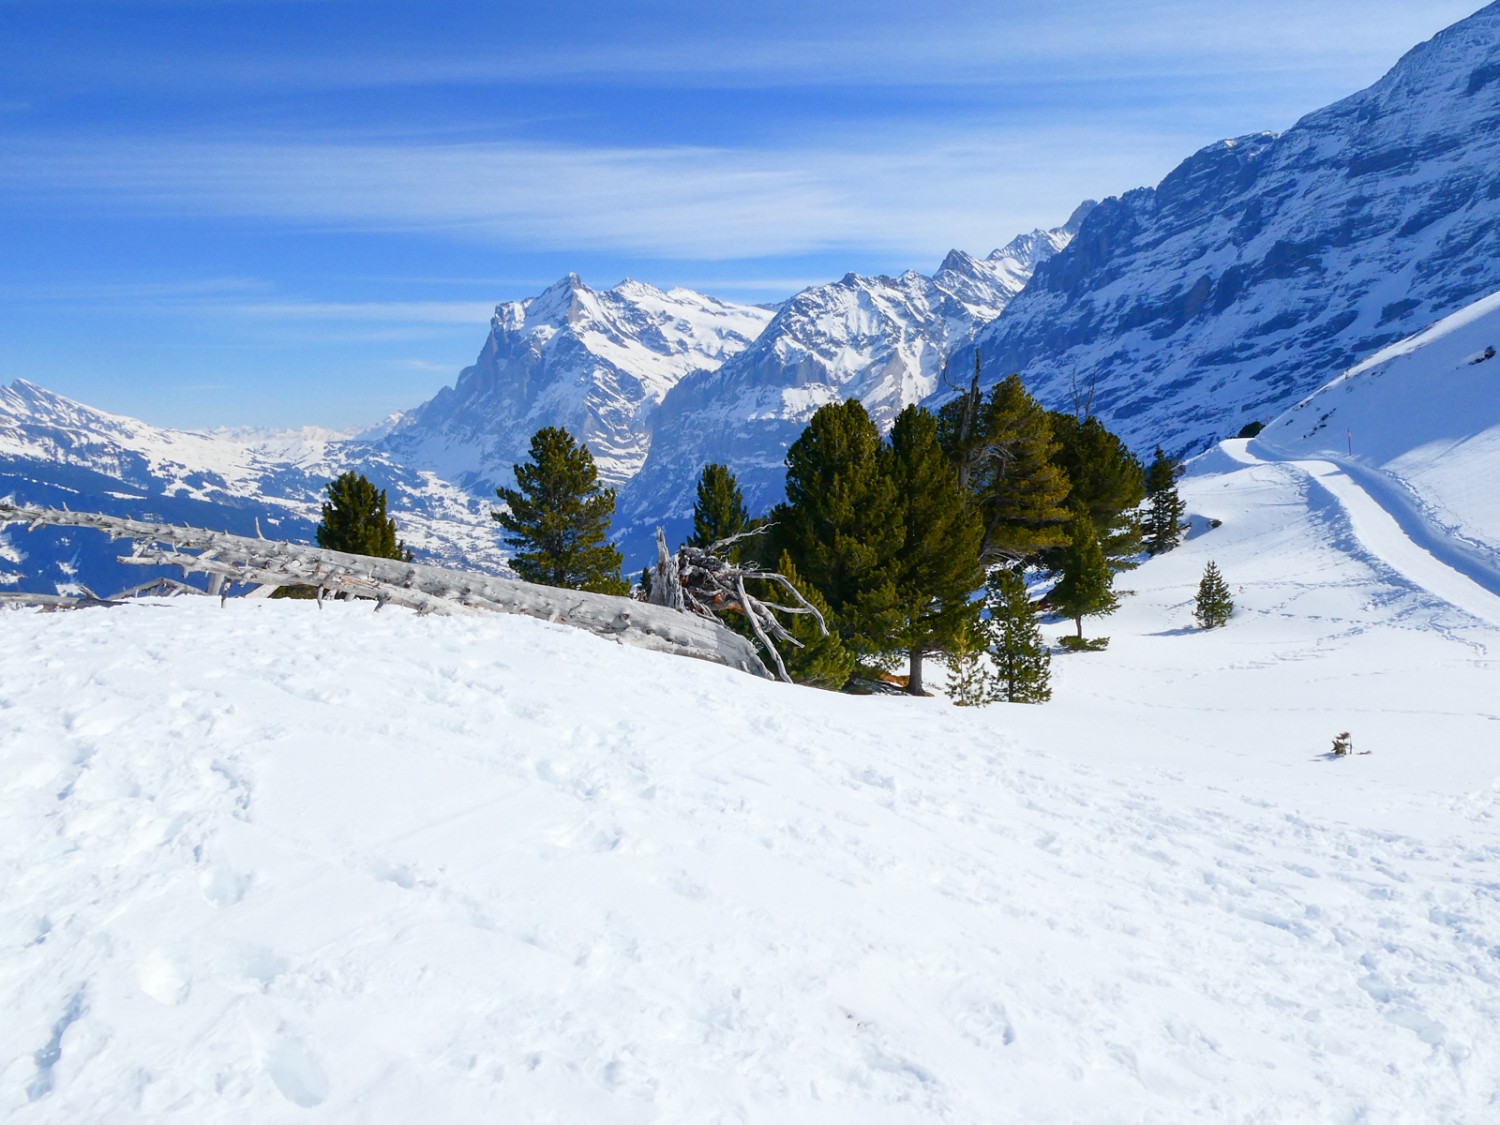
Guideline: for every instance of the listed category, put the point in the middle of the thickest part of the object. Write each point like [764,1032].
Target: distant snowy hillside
[882,340]
[1420,419]
[1263,266]
[274,864]
[54,451]
[597,362]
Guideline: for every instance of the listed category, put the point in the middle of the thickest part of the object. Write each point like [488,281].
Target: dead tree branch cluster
[703,580]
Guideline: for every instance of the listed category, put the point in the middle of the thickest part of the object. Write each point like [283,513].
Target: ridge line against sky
[242,213]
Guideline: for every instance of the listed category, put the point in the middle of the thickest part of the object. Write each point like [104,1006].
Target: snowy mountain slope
[882,340]
[1263,266]
[250,880]
[54,451]
[1420,421]
[597,362]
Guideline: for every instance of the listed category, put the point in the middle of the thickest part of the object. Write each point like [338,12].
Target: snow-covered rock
[597,362]
[1265,265]
[882,340]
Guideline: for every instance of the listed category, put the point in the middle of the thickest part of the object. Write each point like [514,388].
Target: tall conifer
[1085,589]
[719,511]
[1006,456]
[938,566]
[558,517]
[841,523]
[1106,481]
[1164,508]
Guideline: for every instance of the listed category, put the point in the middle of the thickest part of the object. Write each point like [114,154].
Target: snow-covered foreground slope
[1420,423]
[271,863]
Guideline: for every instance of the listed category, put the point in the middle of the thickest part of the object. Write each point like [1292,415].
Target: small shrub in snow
[1083,644]
[1343,745]
[1213,606]
[970,681]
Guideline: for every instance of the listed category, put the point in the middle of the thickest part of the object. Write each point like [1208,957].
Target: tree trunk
[914,681]
[1079,622]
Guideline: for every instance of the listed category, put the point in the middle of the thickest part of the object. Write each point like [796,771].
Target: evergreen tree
[354,520]
[970,682]
[841,524]
[720,508]
[1023,660]
[822,661]
[1085,587]
[1106,480]
[1164,508]
[938,566]
[1005,453]
[1213,606]
[558,518]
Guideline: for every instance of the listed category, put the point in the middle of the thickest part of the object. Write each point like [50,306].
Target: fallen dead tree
[245,561]
[704,581]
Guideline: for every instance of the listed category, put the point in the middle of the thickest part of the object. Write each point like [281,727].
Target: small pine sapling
[1343,745]
[1023,661]
[970,682]
[1213,606]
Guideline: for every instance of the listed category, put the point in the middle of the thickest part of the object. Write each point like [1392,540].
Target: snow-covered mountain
[54,451]
[1263,266]
[882,340]
[272,863]
[597,362]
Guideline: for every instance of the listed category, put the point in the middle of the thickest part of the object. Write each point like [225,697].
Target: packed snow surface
[273,863]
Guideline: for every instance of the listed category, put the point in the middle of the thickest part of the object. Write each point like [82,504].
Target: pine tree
[1106,481]
[822,661]
[1005,453]
[558,518]
[1023,660]
[1213,606]
[720,508]
[1164,508]
[354,520]
[970,682]
[1085,587]
[841,524]
[938,566]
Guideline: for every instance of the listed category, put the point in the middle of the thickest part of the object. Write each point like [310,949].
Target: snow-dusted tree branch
[241,560]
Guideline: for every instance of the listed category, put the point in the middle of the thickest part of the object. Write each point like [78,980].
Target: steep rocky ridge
[1263,266]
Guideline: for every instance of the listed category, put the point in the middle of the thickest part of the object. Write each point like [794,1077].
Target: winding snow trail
[1392,532]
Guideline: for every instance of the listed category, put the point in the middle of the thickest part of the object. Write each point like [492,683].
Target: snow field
[273,863]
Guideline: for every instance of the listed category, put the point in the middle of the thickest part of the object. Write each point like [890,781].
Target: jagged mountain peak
[594,361]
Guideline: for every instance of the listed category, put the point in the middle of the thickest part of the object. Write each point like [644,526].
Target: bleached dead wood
[242,560]
[705,581]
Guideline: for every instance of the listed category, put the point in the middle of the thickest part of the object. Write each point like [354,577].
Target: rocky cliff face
[1263,266]
[597,362]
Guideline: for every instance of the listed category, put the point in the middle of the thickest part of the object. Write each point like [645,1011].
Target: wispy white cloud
[896,45]
[901,191]
[376,312]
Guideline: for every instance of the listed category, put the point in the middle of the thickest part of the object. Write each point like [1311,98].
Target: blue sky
[224,212]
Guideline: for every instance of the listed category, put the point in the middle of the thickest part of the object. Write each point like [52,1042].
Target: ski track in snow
[275,863]
[1388,525]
